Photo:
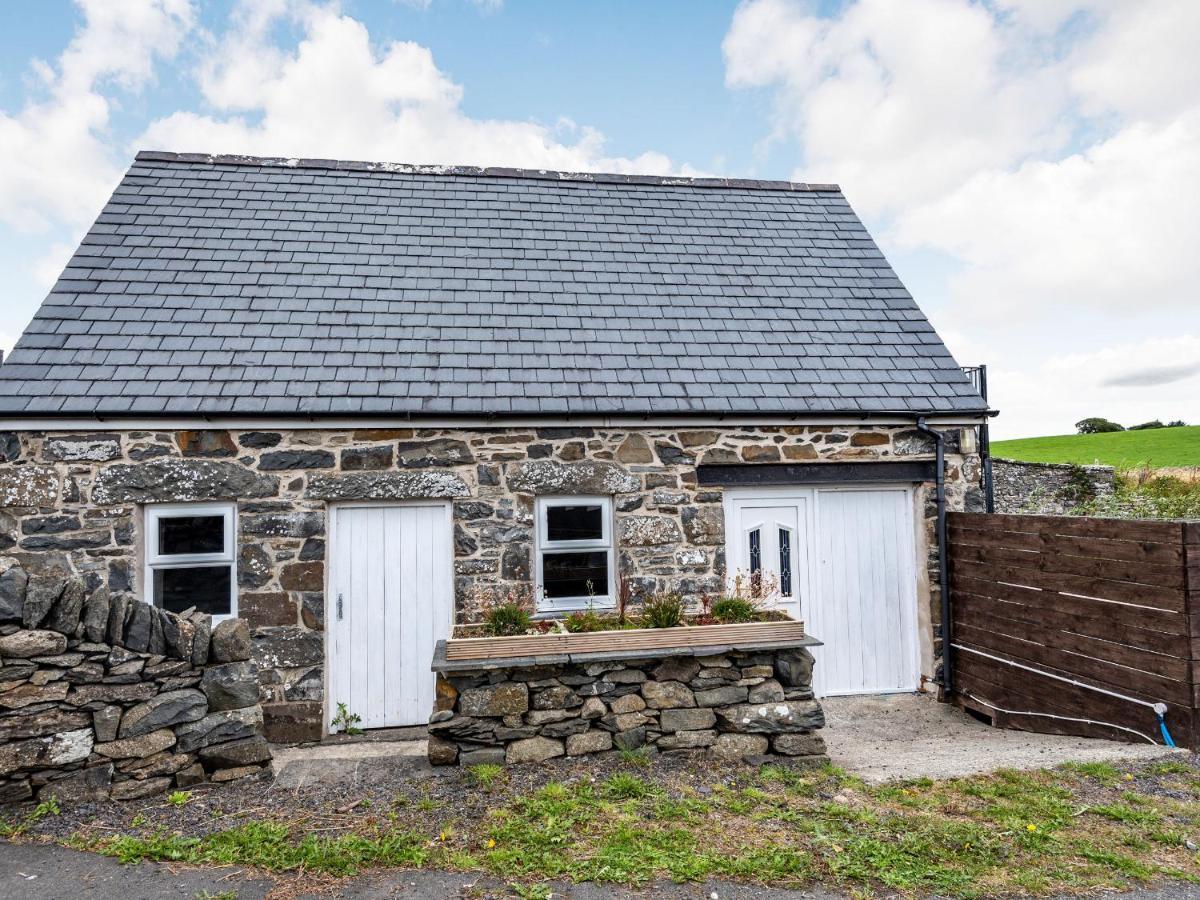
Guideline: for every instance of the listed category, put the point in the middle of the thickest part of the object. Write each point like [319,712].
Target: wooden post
[1191,582]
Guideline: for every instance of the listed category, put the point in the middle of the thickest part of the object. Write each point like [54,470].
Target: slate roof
[237,285]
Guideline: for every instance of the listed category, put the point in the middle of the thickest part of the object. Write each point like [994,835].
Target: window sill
[566,607]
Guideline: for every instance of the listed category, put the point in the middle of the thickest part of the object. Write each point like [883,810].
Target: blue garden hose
[1160,710]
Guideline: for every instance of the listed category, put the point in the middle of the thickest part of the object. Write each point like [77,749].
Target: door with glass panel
[766,558]
[844,560]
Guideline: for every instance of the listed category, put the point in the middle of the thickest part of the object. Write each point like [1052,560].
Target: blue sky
[1026,164]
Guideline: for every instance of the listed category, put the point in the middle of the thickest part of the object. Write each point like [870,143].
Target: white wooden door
[767,557]
[853,576]
[390,600]
[864,606]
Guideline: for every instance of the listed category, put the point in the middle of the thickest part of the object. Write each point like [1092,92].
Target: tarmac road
[53,872]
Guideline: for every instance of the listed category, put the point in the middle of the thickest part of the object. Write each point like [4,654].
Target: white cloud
[337,95]
[1046,148]
[1113,228]
[48,267]
[58,166]
[1140,61]
[1055,394]
[898,101]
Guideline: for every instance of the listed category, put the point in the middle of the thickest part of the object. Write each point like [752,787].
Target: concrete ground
[901,736]
[50,872]
[347,761]
[877,738]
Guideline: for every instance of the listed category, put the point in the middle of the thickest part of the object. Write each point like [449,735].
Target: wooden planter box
[459,654]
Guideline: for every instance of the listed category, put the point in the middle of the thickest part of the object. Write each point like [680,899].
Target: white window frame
[606,599]
[153,514]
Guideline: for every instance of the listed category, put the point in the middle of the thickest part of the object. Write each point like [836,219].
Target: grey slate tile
[258,287]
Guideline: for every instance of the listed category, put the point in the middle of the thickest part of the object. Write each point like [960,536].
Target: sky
[1030,167]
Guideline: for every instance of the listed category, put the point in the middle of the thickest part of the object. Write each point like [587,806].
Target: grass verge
[1073,829]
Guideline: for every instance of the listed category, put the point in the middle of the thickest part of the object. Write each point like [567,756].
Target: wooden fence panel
[1077,619]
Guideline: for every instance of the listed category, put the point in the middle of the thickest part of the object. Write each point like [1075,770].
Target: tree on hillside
[1096,425]
[1155,423]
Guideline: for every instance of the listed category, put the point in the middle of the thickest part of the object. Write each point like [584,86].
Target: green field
[1154,447]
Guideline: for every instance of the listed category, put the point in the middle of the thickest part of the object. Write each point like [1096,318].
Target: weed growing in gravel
[179,798]
[531,891]
[627,786]
[46,808]
[485,775]
[638,756]
[1105,773]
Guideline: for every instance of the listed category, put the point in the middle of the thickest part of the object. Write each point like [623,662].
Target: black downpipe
[943,569]
[985,448]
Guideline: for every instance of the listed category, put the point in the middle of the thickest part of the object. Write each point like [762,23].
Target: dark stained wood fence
[1107,603]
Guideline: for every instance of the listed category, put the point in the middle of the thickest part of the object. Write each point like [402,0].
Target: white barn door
[851,553]
[391,598]
[864,605]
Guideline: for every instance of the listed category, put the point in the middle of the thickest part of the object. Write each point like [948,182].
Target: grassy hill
[1156,447]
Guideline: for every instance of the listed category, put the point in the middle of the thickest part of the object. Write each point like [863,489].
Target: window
[574,553]
[756,563]
[785,562]
[189,558]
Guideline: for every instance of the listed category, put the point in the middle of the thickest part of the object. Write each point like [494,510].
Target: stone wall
[1047,489]
[71,503]
[739,704]
[103,696]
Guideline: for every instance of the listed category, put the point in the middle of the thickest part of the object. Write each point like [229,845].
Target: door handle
[339,607]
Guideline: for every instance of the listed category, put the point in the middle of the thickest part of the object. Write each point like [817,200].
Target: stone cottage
[351,402]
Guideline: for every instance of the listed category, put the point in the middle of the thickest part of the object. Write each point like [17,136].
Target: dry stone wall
[1047,489]
[72,502]
[734,705]
[103,696]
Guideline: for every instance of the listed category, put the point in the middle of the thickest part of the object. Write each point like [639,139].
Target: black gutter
[498,417]
[943,568]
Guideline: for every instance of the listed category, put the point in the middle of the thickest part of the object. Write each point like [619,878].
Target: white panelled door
[391,598]
[854,576]
[769,556]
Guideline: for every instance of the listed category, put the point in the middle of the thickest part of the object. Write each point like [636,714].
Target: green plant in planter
[734,609]
[507,619]
[662,611]
[585,620]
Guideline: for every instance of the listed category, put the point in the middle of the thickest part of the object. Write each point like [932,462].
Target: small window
[190,558]
[756,563]
[785,562]
[574,553]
